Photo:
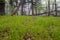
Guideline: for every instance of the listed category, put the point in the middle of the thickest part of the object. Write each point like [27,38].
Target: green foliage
[39,7]
[2,1]
[39,28]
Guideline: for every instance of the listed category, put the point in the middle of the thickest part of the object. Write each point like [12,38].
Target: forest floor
[29,28]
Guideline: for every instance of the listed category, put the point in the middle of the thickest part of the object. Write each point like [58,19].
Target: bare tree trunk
[36,10]
[32,7]
[48,7]
[15,11]
[55,8]
[22,9]
[2,8]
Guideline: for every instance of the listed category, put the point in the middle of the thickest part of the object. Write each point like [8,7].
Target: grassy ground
[33,27]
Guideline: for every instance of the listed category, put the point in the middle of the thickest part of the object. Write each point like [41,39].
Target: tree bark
[48,7]
[15,11]
[32,7]
[22,9]
[55,8]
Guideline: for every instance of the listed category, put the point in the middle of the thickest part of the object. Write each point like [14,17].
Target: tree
[32,7]
[15,11]
[2,7]
[48,7]
[55,8]
[38,6]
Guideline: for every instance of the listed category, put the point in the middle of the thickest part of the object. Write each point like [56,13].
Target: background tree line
[38,7]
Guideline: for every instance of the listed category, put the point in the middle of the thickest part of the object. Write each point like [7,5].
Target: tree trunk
[15,11]
[2,7]
[22,9]
[32,7]
[55,8]
[48,7]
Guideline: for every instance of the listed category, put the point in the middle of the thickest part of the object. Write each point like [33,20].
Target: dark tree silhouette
[2,7]
[11,2]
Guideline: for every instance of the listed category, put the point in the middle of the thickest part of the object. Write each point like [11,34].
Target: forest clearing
[29,19]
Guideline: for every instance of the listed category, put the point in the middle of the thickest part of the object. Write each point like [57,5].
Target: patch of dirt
[28,36]
[5,34]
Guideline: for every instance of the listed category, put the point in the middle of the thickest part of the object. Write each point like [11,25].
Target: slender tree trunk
[36,10]
[48,7]
[15,11]
[32,7]
[22,7]
[55,8]
[2,8]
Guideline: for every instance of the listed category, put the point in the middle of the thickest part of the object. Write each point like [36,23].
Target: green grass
[35,27]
